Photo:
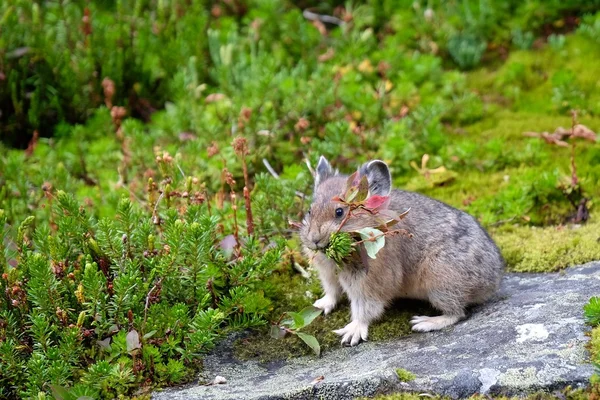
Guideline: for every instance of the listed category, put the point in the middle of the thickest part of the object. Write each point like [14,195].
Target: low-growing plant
[590,27]
[522,40]
[592,311]
[466,49]
[556,41]
[293,323]
[566,93]
[404,375]
[154,287]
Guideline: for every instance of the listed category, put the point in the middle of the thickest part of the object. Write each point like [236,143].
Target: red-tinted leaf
[376,201]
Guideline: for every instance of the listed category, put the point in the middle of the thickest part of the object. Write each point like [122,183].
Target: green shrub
[466,49]
[57,54]
[522,40]
[152,290]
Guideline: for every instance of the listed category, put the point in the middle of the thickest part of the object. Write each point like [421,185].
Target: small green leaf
[298,320]
[350,194]
[311,341]
[149,334]
[363,190]
[309,314]
[61,393]
[373,240]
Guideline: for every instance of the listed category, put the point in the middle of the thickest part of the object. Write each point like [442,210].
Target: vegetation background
[139,223]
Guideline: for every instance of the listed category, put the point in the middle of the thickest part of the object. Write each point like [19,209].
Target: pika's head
[326,215]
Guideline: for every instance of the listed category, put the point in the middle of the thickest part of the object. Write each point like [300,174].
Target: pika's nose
[316,239]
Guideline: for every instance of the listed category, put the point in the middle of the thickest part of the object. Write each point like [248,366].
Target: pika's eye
[339,212]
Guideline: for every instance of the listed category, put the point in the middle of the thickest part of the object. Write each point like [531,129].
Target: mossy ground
[260,346]
[565,394]
[513,179]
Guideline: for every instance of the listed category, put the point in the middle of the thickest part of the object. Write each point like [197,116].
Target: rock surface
[531,337]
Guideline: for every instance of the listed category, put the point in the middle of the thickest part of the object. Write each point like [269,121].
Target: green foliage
[466,49]
[592,311]
[523,40]
[590,27]
[294,323]
[405,375]
[566,93]
[340,246]
[110,303]
[58,53]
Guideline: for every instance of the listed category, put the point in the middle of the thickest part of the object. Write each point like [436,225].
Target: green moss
[594,345]
[533,249]
[394,323]
[405,375]
[566,394]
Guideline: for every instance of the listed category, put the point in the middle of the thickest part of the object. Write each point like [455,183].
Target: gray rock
[531,337]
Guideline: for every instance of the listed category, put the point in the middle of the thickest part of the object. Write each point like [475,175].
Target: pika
[450,261]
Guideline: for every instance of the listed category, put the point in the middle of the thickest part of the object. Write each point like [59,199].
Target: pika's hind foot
[424,323]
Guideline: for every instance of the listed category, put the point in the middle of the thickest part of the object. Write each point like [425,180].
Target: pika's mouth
[319,246]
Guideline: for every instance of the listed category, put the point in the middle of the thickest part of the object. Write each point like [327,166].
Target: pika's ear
[323,171]
[379,177]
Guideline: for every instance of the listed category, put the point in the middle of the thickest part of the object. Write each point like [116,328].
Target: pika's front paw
[353,333]
[327,304]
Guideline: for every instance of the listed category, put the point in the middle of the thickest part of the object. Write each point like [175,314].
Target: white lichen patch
[488,377]
[519,378]
[531,332]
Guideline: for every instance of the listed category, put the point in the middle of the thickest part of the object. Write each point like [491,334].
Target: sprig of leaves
[296,321]
[356,198]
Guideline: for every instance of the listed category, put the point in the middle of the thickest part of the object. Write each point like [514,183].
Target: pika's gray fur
[450,261]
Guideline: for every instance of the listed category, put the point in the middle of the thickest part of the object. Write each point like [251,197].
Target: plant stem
[388,233]
[574,179]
